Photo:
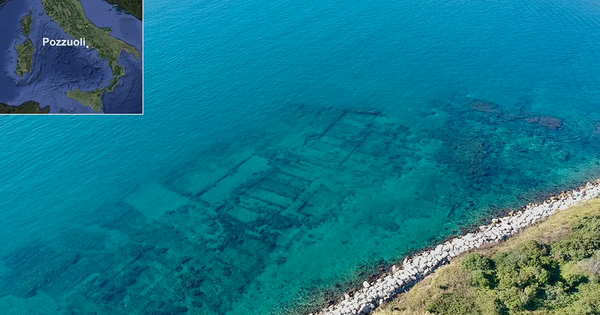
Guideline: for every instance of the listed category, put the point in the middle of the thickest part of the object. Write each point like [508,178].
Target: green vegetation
[91,98]
[26,24]
[134,7]
[25,49]
[69,15]
[24,57]
[550,268]
[29,107]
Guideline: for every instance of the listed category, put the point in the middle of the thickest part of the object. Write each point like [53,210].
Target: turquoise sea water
[288,149]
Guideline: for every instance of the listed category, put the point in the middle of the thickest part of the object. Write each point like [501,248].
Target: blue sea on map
[288,150]
[57,70]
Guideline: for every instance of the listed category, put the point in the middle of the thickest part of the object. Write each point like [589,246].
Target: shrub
[586,301]
[572,275]
[557,296]
[591,265]
[582,242]
[528,265]
[482,279]
[516,299]
[477,261]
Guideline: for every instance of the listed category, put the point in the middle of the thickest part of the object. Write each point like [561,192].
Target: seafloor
[283,221]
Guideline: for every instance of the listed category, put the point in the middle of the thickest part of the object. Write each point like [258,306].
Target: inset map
[71,57]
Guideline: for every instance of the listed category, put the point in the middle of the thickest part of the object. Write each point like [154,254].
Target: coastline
[413,269]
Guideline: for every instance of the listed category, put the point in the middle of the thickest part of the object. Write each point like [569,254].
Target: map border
[104,114]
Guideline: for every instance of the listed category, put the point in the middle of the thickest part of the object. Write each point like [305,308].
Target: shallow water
[287,150]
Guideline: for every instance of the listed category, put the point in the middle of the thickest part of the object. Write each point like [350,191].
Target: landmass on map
[24,57]
[70,16]
[29,107]
[26,24]
[90,98]
[133,7]
[25,49]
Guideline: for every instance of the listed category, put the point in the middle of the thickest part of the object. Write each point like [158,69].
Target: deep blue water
[287,147]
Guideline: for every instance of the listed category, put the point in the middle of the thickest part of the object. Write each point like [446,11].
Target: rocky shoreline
[412,269]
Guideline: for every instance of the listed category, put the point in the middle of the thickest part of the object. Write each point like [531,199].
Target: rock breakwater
[412,269]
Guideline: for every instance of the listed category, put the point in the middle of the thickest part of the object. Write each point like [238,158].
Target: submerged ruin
[280,220]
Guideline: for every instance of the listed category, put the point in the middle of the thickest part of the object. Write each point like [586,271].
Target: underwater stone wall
[416,268]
